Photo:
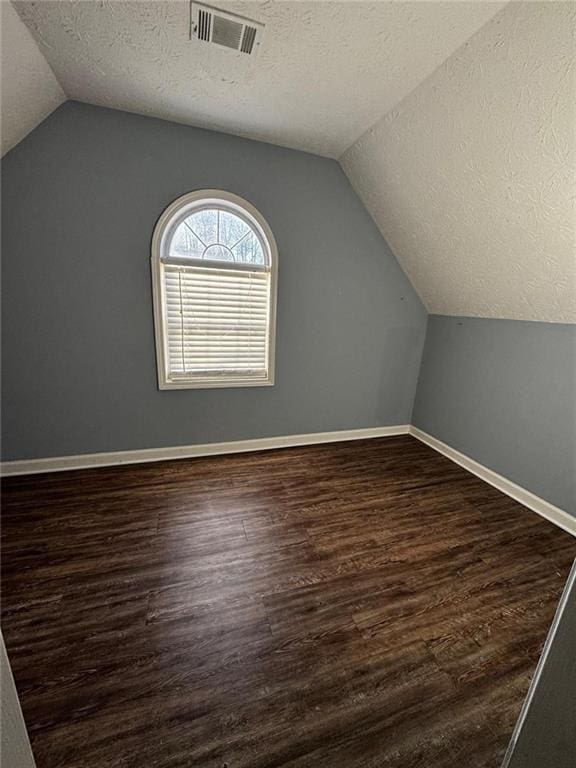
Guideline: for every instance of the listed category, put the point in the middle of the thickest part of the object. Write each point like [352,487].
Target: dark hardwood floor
[356,604]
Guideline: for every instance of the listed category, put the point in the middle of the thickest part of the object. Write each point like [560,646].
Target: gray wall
[15,750]
[547,734]
[81,195]
[504,393]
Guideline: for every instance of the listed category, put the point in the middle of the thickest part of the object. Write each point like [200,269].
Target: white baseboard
[88,460]
[554,514]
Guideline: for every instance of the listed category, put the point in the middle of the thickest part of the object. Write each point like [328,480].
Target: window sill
[215,384]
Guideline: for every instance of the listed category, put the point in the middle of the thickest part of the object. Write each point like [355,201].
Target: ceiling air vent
[215,26]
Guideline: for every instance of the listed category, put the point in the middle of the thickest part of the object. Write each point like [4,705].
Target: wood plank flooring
[366,604]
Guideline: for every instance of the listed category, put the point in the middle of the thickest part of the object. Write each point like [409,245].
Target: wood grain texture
[365,604]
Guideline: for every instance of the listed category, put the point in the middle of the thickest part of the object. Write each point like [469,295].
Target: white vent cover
[212,25]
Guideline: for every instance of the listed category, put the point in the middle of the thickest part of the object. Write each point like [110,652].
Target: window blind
[216,321]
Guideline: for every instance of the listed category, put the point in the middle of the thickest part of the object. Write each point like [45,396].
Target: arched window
[214,264]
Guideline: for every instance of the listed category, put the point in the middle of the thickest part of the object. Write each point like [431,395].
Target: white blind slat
[216,321]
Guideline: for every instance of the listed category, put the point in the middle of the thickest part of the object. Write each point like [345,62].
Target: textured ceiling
[325,73]
[29,91]
[472,178]
[470,173]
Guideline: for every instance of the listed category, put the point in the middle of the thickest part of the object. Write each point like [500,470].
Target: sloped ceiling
[472,178]
[470,173]
[29,91]
[326,71]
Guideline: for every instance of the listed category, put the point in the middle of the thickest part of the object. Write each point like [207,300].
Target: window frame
[203,198]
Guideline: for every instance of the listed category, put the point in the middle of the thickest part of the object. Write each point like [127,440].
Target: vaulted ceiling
[453,120]
[28,88]
[472,178]
[326,71]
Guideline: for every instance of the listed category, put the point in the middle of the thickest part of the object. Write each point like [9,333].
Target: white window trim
[247,211]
